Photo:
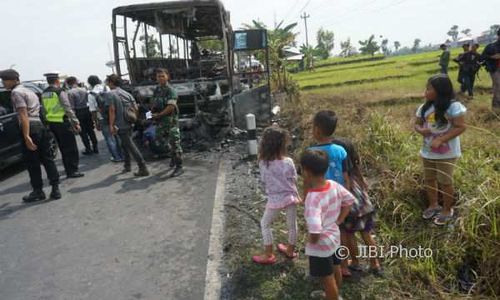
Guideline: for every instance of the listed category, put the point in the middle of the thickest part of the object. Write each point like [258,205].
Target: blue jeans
[113,142]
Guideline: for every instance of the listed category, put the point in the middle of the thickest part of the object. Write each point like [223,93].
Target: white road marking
[213,283]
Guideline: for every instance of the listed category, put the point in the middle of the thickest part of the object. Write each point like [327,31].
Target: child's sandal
[356,268]
[284,248]
[441,220]
[345,272]
[431,212]
[271,260]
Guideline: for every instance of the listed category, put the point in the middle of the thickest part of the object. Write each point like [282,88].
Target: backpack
[130,110]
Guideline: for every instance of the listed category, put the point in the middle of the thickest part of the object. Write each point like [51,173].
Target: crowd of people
[337,205]
[470,62]
[66,110]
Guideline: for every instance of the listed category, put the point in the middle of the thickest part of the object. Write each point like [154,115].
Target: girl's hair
[444,89]
[273,144]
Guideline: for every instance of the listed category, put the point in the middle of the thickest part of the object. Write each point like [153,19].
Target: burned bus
[193,40]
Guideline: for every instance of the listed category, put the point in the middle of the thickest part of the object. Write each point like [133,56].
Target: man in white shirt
[96,106]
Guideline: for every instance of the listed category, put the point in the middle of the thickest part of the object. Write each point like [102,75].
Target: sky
[74,36]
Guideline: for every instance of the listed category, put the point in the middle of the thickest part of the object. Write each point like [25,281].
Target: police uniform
[78,98]
[167,129]
[22,97]
[62,120]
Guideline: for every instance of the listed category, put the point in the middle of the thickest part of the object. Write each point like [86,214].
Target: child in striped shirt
[327,204]
[279,177]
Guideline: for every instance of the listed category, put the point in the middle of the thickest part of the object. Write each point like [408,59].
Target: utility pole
[305,17]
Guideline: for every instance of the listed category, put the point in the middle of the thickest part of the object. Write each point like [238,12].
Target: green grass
[376,112]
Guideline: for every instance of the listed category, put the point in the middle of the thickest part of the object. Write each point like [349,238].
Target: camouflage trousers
[170,137]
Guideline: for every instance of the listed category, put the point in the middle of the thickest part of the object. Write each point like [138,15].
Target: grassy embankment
[376,101]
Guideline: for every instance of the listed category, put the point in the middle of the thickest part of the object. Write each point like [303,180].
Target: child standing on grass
[361,218]
[324,125]
[279,177]
[440,120]
[327,204]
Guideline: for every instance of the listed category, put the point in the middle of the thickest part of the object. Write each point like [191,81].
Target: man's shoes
[87,152]
[96,150]
[114,160]
[34,196]
[126,170]
[172,163]
[177,172]
[142,172]
[75,175]
[55,194]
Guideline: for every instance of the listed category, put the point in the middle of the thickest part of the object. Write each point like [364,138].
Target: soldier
[63,123]
[36,138]
[166,115]
[79,100]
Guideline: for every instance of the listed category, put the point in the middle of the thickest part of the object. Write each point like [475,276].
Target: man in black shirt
[491,58]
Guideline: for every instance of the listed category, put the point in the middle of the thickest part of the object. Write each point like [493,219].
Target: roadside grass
[377,116]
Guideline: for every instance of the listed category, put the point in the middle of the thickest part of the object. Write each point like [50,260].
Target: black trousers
[67,145]
[87,124]
[129,148]
[44,155]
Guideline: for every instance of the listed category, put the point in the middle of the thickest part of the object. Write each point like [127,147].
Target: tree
[494,29]
[466,32]
[278,38]
[308,59]
[347,48]
[216,45]
[153,46]
[384,47]
[453,33]
[369,46]
[325,39]
[397,45]
[416,45]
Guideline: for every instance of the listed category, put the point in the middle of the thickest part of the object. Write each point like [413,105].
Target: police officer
[62,122]
[79,98]
[36,138]
[166,114]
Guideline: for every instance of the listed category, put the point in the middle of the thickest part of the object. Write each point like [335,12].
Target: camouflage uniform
[167,130]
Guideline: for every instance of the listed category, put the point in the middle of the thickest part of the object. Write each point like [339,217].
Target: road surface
[111,236]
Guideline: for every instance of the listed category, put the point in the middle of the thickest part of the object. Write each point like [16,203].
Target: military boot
[36,195]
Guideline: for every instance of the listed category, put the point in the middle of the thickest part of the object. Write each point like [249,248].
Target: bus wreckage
[194,41]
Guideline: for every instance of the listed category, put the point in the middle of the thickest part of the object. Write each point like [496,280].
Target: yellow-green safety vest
[54,111]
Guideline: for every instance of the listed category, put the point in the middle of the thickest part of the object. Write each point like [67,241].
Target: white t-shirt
[99,88]
[449,150]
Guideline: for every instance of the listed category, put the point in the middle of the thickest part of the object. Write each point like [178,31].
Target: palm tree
[347,48]
[278,38]
[397,44]
[308,52]
[369,46]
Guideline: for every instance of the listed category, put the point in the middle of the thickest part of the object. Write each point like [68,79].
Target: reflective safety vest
[54,111]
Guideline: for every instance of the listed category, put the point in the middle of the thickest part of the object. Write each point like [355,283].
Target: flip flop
[345,272]
[283,248]
[431,212]
[378,272]
[356,268]
[264,261]
[441,220]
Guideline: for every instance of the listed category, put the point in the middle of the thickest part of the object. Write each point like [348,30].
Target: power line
[305,6]
[292,8]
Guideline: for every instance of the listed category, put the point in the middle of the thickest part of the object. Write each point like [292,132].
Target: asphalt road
[111,236]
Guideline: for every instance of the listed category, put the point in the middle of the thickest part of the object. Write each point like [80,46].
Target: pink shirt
[279,178]
[322,210]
